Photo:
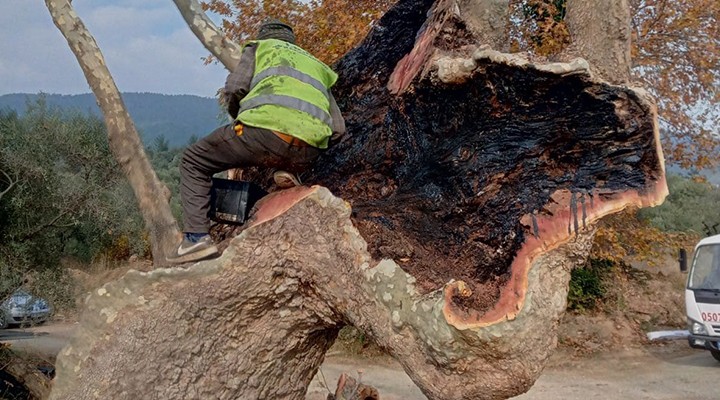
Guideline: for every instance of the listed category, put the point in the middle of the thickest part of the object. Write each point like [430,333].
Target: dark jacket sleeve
[338,122]
[237,84]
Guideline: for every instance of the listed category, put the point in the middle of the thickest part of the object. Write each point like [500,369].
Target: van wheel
[3,320]
[715,354]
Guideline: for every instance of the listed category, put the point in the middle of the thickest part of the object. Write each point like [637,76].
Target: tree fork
[472,180]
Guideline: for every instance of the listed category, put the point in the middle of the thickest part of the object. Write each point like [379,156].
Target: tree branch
[37,384]
[41,227]
[11,183]
[123,138]
[227,51]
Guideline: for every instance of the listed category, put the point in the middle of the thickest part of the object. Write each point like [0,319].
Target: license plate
[710,316]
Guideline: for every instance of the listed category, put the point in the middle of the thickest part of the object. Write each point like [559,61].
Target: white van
[702,295]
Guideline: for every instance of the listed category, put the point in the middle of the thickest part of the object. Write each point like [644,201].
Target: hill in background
[176,117]
[179,117]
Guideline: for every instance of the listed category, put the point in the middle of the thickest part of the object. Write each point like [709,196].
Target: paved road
[45,340]
[658,373]
[682,374]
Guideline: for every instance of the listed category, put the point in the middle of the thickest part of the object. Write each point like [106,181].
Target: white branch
[11,184]
[227,51]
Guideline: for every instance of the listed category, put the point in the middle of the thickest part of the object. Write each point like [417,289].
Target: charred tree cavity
[458,153]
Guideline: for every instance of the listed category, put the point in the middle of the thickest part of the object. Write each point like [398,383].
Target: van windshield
[705,272]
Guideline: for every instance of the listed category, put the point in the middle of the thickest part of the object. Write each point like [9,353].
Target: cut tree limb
[277,298]
[462,156]
[471,180]
[26,374]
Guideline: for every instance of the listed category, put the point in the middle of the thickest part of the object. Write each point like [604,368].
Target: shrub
[587,284]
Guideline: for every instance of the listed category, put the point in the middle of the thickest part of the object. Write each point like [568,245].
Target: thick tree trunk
[487,20]
[125,143]
[474,176]
[601,34]
[256,323]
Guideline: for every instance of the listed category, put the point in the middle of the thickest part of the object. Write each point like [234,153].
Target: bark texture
[256,323]
[471,180]
[600,31]
[487,19]
[227,51]
[124,139]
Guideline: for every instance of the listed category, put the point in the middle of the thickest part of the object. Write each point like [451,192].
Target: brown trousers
[222,150]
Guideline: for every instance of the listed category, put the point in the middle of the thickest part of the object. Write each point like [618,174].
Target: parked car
[23,308]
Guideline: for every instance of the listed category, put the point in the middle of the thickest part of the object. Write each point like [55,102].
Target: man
[284,116]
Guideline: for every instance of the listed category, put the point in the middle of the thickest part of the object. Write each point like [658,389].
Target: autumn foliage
[539,26]
[624,236]
[326,28]
[676,53]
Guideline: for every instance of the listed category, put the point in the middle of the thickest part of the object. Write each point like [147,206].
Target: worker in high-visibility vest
[284,117]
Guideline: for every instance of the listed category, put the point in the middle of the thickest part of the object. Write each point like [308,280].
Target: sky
[146,44]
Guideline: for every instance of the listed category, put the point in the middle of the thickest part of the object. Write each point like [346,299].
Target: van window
[705,273]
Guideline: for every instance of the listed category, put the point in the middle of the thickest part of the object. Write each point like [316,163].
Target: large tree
[674,53]
[471,180]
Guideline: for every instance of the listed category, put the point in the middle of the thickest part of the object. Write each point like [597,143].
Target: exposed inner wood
[441,176]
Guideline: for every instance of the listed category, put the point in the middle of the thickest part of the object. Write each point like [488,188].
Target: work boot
[286,180]
[194,247]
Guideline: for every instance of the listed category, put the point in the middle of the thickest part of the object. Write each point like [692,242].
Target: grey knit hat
[272,28]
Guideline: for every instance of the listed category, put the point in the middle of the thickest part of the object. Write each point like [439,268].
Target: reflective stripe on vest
[293,73]
[289,93]
[289,102]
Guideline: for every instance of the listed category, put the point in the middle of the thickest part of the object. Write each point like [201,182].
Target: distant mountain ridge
[177,117]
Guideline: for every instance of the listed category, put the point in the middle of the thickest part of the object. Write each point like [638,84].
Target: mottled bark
[488,20]
[600,31]
[468,185]
[125,143]
[226,51]
[256,323]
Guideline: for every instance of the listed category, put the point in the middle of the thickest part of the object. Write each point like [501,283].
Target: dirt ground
[664,371]
[672,371]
